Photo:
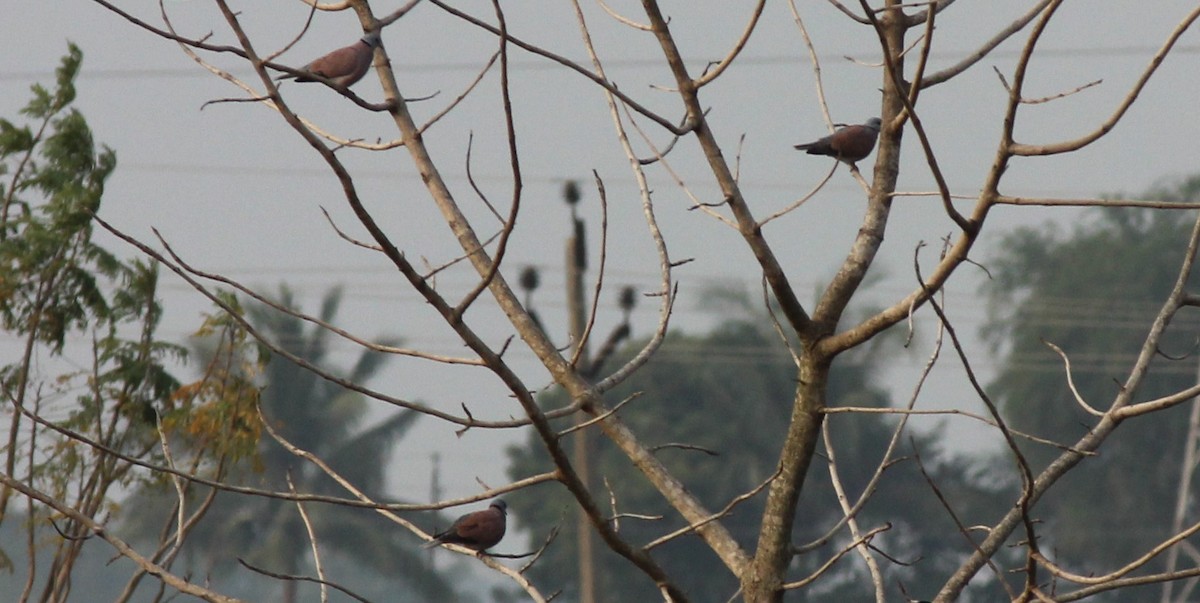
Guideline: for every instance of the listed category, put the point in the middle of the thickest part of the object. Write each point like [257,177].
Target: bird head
[499,504]
[371,39]
[874,123]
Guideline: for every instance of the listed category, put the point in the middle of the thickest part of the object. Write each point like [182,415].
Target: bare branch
[987,47]
[1085,593]
[1093,438]
[1111,122]
[296,578]
[1147,203]
[607,85]
[121,547]
[312,538]
[801,200]
[517,183]
[828,564]
[891,68]
[599,417]
[345,237]
[660,246]
[329,6]
[843,502]
[952,412]
[1120,572]
[926,40]
[683,446]
[1071,380]
[747,225]
[601,271]
[176,481]
[695,525]
[815,61]
[461,97]
[184,271]
[720,68]
[1075,90]
[962,529]
[395,15]
[849,13]
[778,328]
[621,18]
[362,496]
[660,157]
[1157,404]
[885,460]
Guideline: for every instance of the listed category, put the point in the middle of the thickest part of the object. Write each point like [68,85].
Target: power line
[541,65]
[1107,313]
[293,173]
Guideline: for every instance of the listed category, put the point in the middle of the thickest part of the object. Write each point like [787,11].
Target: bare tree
[905,37]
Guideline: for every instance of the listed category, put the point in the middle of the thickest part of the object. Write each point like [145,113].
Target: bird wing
[479,530]
[335,64]
[450,534]
[854,142]
[470,527]
[818,147]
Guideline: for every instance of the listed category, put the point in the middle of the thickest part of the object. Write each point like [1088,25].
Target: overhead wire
[1074,312]
[830,58]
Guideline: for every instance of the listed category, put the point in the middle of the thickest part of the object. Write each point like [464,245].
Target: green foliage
[731,392]
[55,281]
[1094,292]
[49,268]
[91,363]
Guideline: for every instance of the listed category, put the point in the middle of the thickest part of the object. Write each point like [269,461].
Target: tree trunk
[762,582]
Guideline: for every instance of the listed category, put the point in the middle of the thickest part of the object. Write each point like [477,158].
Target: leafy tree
[1094,292]
[91,366]
[320,417]
[726,394]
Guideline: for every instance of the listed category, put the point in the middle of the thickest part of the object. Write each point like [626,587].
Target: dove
[848,144]
[344,66]
[479,531]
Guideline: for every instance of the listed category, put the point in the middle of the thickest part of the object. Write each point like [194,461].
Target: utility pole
[576,260]
[1183,499]
[435,493]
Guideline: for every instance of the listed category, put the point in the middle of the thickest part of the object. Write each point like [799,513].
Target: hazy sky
[236,192]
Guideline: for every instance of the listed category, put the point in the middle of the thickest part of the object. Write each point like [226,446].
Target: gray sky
[236,192]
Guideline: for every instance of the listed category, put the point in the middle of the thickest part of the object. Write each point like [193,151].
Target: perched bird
[848,144]
[480,530]
[344,66]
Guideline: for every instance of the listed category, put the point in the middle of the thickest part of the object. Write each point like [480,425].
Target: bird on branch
[849,144]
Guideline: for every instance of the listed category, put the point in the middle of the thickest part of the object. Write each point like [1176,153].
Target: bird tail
[803,147]
[431,543]
[286,76]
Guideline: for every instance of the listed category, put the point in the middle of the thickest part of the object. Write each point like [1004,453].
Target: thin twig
[691,527]
[1071,380]
[832,560]
[296,578]
[312,539]
[724,64]
[840,493]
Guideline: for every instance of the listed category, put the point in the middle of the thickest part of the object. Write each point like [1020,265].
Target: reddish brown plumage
[848,144]
[344,66]
[480,530]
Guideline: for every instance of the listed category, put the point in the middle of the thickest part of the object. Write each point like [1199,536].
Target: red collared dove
[479,531]
[344,66]
[848,144]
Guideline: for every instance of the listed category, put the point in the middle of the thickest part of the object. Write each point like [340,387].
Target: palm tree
[325,419]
